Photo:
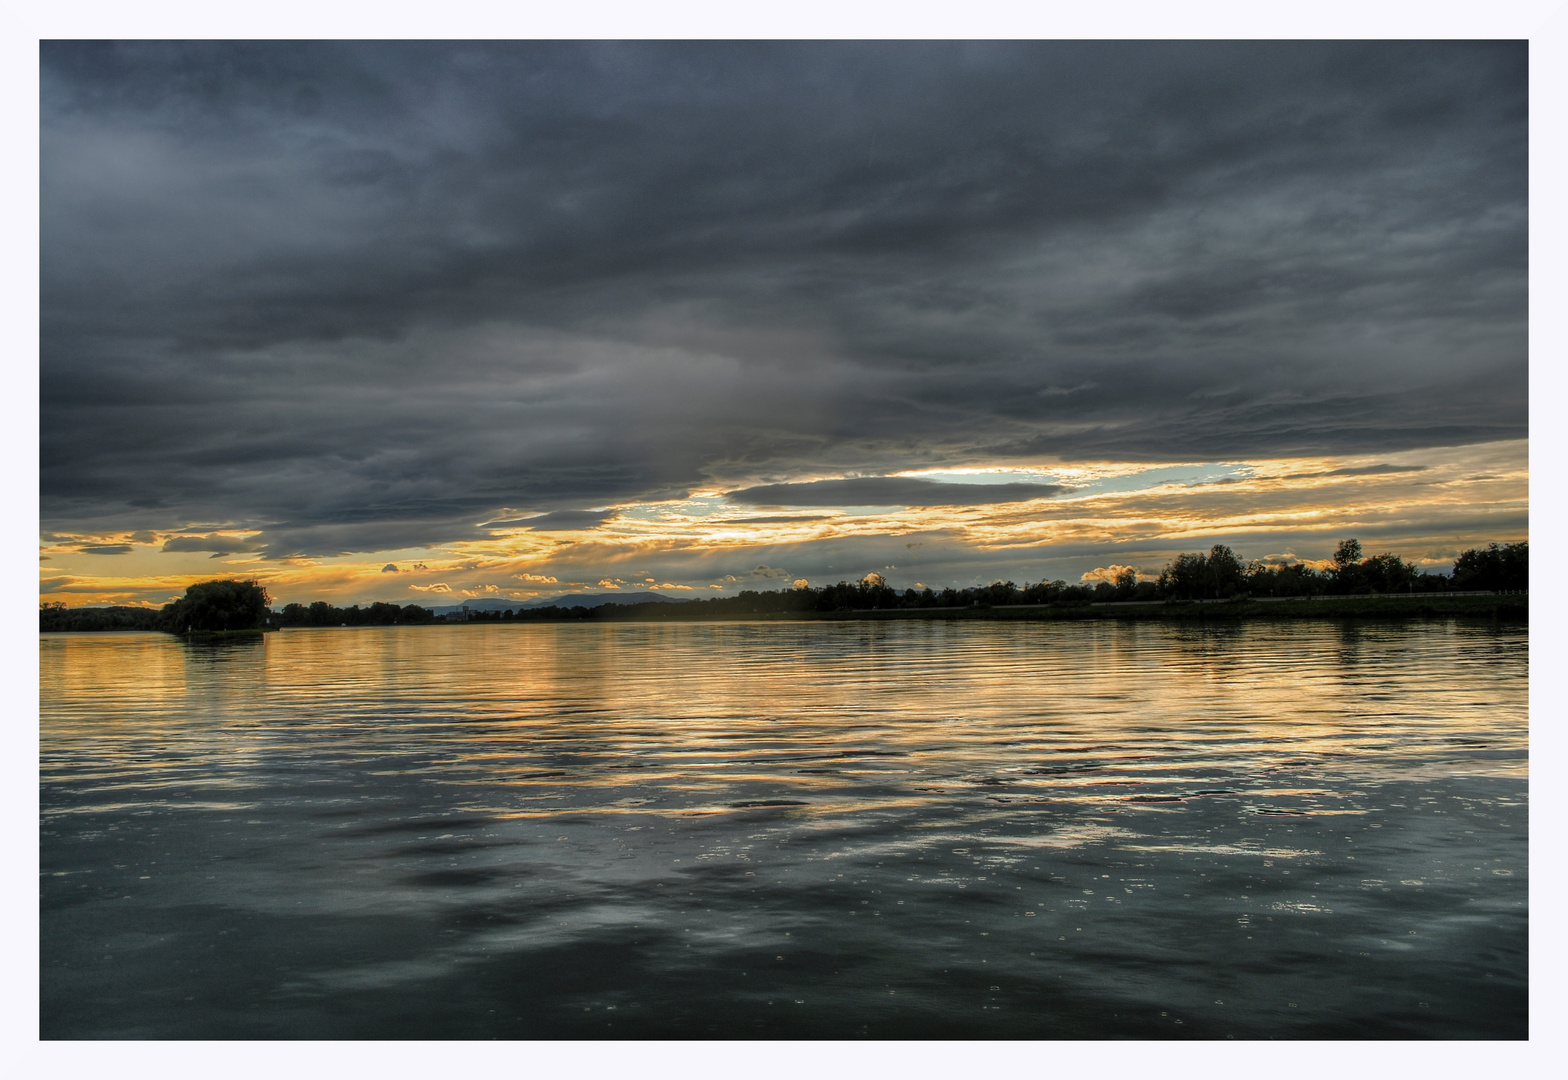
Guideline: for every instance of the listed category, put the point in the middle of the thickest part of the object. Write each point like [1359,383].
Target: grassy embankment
[213,637]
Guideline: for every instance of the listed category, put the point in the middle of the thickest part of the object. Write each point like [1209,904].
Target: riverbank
[1513,607]
[213,637]
[1508,607]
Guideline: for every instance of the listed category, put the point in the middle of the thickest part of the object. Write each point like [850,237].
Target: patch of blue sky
[985,476]
[1182,475]
[700,506]
[1186,475]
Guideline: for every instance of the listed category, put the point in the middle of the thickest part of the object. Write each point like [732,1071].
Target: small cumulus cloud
[536,579]
[798,583]
[390,568]
[606,583]
[768,572]
[420,566]
[873,580]
[439,586]
[1112,572]
[668,585]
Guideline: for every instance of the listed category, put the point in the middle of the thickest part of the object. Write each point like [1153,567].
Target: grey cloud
[557,521]
[1372,470]
[889,491]
[390,568]
[105,549]
[338,537]
[361,296]
[222,544]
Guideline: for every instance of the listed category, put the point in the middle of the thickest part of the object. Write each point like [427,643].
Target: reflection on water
[893,829]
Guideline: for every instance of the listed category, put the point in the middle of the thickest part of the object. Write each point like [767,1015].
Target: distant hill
[591,600]
[587,600]
[475,605]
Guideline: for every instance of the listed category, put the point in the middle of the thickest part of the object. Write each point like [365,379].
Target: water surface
[746,830]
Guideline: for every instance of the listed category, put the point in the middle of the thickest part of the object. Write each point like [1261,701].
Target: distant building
[460,615]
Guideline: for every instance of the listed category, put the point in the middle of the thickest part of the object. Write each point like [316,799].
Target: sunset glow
[1426,507]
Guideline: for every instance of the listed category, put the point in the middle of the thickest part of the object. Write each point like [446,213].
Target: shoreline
[1508,607]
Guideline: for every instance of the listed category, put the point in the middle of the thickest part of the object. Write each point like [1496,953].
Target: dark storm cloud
[366,296]
[889,491]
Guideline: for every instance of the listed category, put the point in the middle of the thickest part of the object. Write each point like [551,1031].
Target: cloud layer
[364,298]
[889,491]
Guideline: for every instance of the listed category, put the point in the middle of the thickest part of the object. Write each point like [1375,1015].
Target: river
[788,830]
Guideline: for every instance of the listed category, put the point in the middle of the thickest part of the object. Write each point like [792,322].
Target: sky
[422,322]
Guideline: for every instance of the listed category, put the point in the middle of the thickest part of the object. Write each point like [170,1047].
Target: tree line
[1222,575]
[321,613]
[207,606]
[1218,574]
[226,606]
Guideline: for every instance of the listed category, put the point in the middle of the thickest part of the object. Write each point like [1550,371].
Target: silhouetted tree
[217,605]
[1493,567]
[1387,573]
[1185,577]
[1347,569]
[1224,572]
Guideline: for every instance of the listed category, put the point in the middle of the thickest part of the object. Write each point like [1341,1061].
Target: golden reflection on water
[510,831]
[539,720]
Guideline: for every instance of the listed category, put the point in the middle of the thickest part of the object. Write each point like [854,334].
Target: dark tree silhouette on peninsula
[211,606]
